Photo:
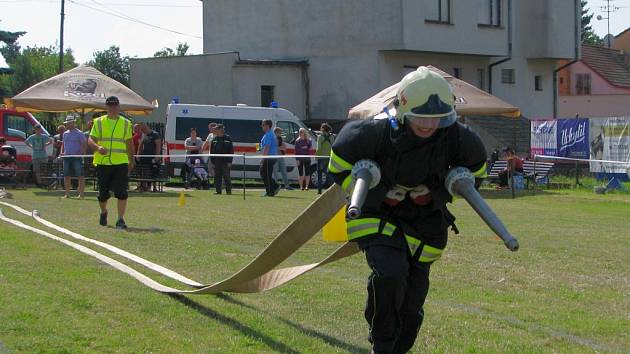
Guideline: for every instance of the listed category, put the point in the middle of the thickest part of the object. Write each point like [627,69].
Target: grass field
[566,291]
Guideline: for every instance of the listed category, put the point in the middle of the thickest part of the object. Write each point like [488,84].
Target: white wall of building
[287,80]
[201,79]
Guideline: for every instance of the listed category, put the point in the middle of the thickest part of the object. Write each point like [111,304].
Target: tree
[180,51]
[32,65]
[11,49]
[588,35]
[112,64]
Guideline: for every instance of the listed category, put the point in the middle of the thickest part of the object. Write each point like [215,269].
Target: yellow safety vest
[112,135]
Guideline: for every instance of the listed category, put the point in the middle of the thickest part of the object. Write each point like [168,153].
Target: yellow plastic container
[335,230]
[182,199]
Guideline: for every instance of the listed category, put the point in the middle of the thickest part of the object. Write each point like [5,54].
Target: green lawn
[566,291]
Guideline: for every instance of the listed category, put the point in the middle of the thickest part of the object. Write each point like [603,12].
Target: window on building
[266,95]
[457,72]
[583,84]
[538,84]
[507,76]
[481,79]
[490,12]
[439,11]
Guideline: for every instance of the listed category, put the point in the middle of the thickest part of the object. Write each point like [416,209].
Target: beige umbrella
[83,89]
[469,101]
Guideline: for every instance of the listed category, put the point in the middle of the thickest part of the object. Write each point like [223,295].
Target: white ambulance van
[242,123]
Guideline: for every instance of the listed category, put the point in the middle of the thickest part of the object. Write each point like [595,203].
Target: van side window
[18,126]
[183,125]
[243,131]
[289,131]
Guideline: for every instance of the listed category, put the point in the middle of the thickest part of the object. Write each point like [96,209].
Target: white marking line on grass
[130,256]
[107,260]
[532,327]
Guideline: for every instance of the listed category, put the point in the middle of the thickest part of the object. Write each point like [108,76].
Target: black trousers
[266,172]
[397,289]
[112,178]
[222,174]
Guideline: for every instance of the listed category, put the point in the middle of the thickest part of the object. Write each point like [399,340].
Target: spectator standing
[303,146]
[74,143]
[137,136]
[58,140]
[88,150]
[38,142]
[222,144]
[269,147]
[111,138]
[151,144]
[208,145]
[281,165]
[324,146]
[193,145]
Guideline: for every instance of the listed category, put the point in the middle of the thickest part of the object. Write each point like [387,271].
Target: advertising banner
[609,140]
[572,138]
[544,137]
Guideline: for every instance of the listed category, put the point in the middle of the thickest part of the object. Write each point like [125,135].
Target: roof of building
[612,64]
[623,32]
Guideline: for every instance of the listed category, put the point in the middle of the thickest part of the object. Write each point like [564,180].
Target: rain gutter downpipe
[509,57]
[576,56]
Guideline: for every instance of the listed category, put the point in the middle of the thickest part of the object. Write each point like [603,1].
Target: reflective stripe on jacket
[112,135]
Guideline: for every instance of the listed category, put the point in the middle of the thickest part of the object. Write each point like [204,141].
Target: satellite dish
[599,17]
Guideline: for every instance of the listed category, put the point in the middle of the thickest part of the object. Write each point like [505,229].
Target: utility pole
[608,9]
[61,37]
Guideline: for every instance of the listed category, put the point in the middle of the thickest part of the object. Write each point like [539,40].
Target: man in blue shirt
[269,147]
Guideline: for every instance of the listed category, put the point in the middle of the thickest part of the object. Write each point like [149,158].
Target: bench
[144,173]
[52,173]
[532,170]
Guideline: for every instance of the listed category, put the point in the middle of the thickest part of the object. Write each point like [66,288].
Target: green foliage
[11,49]
[32,65]
[111,63]
[180,51]
[588,35]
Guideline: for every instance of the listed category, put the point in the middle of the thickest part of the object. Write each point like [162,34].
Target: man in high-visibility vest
[111,139]
[403,225]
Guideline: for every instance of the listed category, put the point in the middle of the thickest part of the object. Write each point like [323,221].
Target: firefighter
[404,222]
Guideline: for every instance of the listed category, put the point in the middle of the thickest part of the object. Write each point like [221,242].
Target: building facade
[342,52]
[598,85]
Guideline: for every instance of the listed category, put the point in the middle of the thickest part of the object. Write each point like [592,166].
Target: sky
[95,25]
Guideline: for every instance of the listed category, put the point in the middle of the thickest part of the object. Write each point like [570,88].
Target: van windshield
[242,131]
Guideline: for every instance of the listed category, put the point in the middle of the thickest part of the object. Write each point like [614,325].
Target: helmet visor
[426,121]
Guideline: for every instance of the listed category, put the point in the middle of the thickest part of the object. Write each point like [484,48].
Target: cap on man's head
[112,101]
[38,127]
[69,119]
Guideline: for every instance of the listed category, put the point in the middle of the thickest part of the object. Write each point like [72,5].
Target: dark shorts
[73,166]
[112,178]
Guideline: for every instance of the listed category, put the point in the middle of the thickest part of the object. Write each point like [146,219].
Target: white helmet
[425,94]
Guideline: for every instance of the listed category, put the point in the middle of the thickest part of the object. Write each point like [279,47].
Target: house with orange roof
[597,85]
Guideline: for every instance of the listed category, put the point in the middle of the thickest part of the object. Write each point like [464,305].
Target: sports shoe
[103,219]
[276,191]
[120,224]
